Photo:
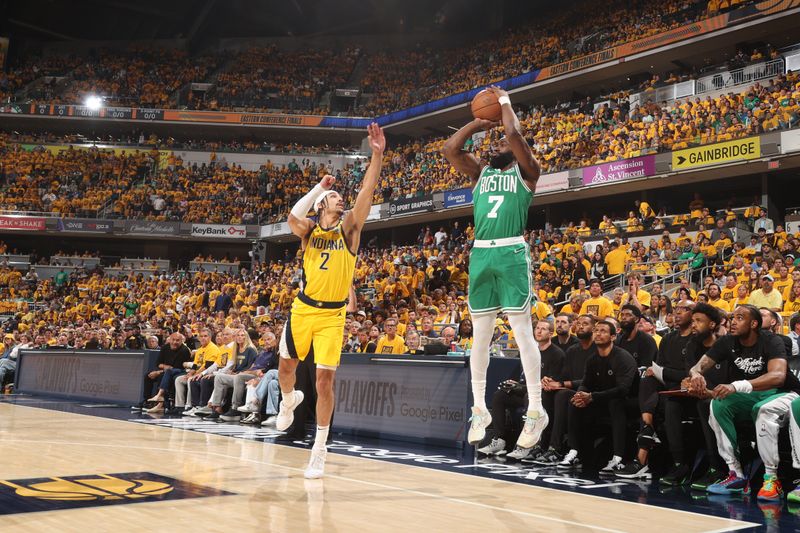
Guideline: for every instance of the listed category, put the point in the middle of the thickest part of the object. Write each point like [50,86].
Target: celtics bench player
[500,262]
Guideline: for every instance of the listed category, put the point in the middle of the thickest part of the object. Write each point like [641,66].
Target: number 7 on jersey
[496,202]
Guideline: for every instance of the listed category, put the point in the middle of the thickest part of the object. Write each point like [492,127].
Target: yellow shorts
[310,330]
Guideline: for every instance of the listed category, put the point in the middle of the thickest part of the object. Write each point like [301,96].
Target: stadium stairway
[359,67]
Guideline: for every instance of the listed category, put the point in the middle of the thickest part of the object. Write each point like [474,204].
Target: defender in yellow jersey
[316,321]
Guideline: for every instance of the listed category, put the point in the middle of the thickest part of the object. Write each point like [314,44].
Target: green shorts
[499,279]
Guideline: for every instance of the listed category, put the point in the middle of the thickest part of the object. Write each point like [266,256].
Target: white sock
[737,468]
[321,437]
[482,331]
[288,397]
[530,356]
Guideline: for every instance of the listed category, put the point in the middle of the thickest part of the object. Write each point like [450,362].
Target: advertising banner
[408,206]
[88,225]
[790,141]
[374,212]
[9,222]
[401,400]
[647,43]
[552,182]
[263,119]
[673,36]
[715,154]
[86,375]
[458,197]
[145,227]
[637,167]
[122,113]
[219,231]
[767,7]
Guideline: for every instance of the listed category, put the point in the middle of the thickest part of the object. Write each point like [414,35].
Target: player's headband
[321,198]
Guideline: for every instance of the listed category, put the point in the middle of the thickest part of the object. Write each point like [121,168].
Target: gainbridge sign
[716,154]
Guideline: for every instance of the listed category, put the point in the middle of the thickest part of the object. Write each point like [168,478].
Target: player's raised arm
[355,219]
[453,149]
[299,223]
[516,140]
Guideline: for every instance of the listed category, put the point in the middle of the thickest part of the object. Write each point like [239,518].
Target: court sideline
[270,492]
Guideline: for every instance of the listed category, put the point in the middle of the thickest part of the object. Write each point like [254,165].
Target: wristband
[743,386]
[504,100]
[658,372]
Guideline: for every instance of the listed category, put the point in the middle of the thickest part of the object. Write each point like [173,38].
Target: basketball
[486,106]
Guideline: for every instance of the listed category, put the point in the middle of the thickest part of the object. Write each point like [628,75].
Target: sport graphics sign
[219,231]
[715,154]
[637,167]
[458,197]
[408,206]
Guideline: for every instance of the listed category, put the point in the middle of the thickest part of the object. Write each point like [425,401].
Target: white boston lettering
[498,183]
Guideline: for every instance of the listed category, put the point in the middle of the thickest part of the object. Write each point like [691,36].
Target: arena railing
[740,76]
[723,79]
[698,273]
[26,213]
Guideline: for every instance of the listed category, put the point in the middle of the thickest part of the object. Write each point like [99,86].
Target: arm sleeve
[559,370]
[586,383]
[649,352]
[662,350]
[673,375]
[186,355]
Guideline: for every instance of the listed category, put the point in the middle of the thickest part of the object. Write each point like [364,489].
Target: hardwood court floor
[270,493]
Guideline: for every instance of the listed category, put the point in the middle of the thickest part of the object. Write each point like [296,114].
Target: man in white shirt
[794,333]
[440,236]
[763,222]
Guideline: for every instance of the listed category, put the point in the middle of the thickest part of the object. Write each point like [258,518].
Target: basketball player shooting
[317,317]
[500,263]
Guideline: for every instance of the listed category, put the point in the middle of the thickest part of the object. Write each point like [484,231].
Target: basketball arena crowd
[266,78]
[687,289]
[146,184]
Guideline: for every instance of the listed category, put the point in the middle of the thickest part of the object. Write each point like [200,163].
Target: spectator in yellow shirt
[715,298]
[391,342]
[597,305]
[636,296]
[616,259]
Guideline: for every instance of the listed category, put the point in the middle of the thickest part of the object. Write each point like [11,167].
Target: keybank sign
[219,231]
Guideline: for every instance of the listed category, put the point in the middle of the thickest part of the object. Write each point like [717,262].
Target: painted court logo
[72,492]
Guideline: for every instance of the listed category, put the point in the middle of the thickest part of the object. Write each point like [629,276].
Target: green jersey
[501,201]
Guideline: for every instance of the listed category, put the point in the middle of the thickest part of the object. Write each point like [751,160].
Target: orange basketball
[486,106]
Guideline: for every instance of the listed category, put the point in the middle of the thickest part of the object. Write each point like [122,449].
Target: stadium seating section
[293,81]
